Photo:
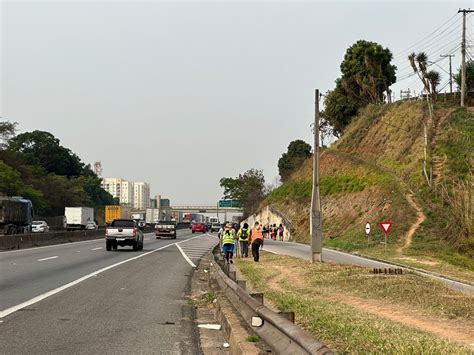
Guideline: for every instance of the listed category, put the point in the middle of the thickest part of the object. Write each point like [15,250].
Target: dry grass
[319,293]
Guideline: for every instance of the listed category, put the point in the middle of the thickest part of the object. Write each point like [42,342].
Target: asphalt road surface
[79,298]
[302,251]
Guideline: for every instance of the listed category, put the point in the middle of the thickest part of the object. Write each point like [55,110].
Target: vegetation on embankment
[367,174]
[352,310]
[36,166]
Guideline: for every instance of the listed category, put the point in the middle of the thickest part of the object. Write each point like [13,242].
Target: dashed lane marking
[97,248]
[6,312]
[195,249]
[49,258]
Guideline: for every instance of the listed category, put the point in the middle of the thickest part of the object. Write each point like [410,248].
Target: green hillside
[374,173]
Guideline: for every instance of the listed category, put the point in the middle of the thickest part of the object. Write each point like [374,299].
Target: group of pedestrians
[273,232]
[235,236]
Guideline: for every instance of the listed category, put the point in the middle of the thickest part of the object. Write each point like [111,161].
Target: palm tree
[434,79]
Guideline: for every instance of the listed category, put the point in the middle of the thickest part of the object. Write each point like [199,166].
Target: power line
[435,40]
[402,52]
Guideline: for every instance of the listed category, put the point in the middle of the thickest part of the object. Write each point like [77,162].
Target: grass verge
[315,293]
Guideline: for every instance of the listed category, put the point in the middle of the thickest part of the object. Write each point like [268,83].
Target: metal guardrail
[278,332]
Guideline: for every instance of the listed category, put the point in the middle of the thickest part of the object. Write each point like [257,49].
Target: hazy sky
[182,94]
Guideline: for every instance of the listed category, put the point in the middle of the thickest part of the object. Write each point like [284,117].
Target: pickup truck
[122,232]
[165,228]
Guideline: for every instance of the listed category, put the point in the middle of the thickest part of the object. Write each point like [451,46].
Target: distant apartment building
[141,196]
[121,189]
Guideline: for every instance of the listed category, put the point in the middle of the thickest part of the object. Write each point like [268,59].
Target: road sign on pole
[386,226]
[367,231]
[367,228]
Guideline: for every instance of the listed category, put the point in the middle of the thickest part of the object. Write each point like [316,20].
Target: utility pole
[463,55]
[316,227]
[450,71]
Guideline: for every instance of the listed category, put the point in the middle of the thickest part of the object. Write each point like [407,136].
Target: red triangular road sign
[386,226]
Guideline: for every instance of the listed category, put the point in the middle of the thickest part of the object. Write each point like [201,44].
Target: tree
[298,151]
[430,79]
[11,184]
[366,78]
[43,148]
[340,108]
[367,72]
[469,76]
[248,188]
[7,130]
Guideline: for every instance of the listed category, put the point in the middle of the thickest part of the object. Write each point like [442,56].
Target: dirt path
[454,330]
[420,217]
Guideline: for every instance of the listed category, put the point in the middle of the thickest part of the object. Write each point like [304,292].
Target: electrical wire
[448,37]
[409,49]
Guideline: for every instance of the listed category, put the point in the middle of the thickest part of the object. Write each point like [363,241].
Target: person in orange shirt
[256,240]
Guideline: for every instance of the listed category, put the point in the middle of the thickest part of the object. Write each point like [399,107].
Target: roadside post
[386,226]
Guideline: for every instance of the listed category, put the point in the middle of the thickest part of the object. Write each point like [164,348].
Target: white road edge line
[97,248]
[36,299]
[185,256]
[49,258]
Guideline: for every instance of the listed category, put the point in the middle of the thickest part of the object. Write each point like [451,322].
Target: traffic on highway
[236,177]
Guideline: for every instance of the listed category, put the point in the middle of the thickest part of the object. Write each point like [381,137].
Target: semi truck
[116,212]
[16,215]
[78,217]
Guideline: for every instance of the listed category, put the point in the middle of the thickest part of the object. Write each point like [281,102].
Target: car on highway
[215,227]
[91,225]
[198,227]
[39,227]
[165,229]
[123,232]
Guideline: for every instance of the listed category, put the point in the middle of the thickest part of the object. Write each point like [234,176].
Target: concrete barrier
[23,241]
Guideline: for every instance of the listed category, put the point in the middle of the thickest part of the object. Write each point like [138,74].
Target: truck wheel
[140,246]
[135,246]
[114,246]
[174,236]
[158,237]
[108,245]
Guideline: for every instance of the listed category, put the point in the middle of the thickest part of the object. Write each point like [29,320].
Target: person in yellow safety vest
[256,240]
[244,236]
[228,240]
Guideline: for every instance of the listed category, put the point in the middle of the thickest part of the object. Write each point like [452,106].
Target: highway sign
[386,226]
[229,203]
[367,228]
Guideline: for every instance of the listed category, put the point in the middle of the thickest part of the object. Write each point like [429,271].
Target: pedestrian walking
[256,240]
[274,231]
[228,240]
[265,231]
[244,235]
[281,230]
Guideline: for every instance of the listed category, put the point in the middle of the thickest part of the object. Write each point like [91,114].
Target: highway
[329,255]
[79,298]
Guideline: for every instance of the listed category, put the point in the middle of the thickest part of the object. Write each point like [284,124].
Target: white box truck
[78,217]
[152,216]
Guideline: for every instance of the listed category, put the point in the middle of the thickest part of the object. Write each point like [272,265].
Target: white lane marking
[97,248]
[49,258]
[197,248]
[185,256]
[41,297]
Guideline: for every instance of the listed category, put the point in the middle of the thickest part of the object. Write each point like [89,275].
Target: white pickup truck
[122,232]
